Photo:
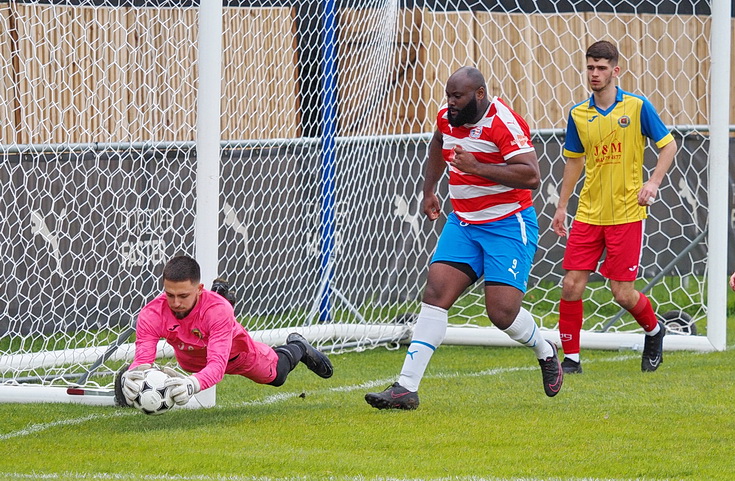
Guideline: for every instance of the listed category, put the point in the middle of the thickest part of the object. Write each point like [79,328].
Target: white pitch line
[290,395]
[35,428]
[272,399]
[280,397]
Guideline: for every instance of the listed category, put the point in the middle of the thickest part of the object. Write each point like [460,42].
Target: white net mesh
[319,215]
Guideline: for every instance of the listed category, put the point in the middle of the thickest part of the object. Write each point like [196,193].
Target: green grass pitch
[483,416]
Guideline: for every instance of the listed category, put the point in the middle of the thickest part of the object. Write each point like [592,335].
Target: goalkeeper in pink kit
[207,340]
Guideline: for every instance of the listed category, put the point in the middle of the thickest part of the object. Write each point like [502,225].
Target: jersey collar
[618,98]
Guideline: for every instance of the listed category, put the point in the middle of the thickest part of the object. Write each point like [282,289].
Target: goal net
[325,110]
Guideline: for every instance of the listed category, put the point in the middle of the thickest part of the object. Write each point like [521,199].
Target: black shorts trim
[496,283]
[462,267]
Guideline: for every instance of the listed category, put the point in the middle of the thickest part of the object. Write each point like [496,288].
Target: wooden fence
[122,75]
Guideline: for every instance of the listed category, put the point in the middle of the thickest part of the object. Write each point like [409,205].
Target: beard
[180,314]
[464,116]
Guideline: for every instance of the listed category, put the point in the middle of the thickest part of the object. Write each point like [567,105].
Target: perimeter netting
[320,223]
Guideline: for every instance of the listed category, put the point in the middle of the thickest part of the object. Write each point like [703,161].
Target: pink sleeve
[146,336]
[220,323]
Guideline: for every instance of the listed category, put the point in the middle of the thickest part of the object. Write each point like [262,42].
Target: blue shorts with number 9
[500,251]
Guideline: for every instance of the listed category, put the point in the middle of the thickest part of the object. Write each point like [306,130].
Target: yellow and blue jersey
[613,142]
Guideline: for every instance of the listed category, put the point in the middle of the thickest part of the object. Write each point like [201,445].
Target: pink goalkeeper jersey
[497,137]
[204,341]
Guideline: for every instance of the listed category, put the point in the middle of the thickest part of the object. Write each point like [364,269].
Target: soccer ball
[154,398]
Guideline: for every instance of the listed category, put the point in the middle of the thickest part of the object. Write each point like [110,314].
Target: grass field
[483,416]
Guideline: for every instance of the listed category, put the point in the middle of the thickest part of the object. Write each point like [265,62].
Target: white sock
[525,331]
[573,357]
[428,334]
[654,331]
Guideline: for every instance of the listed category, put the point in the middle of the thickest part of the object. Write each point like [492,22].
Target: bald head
[466,96]
[469,76]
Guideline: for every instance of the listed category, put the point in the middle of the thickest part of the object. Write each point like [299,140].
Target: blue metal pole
[329,113]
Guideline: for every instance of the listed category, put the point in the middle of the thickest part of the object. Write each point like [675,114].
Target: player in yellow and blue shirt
[612,141]
[606,138]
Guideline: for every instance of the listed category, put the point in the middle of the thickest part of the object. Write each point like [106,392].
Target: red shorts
[622,244]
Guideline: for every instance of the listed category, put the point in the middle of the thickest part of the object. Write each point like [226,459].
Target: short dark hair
[182,268]
[603,49]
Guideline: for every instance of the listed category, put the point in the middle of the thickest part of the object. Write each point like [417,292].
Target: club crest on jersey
[624,121]
[197,333]
[475,132]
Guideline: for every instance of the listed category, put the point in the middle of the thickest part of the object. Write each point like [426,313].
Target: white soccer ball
[154,398]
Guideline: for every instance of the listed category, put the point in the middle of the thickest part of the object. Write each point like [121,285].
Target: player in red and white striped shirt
[500,138]
[492,232]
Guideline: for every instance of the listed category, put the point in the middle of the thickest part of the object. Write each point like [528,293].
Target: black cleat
[571,367]
[552,372]
[653,350]
[316,361]
[395,397]
[222,287]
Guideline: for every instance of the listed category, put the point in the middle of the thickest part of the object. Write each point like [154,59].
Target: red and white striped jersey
[498,136]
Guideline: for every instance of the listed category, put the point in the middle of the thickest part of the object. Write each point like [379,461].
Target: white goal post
[282,144]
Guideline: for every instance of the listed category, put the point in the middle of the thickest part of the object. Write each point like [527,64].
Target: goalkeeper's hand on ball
[182,387]
[131,382]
